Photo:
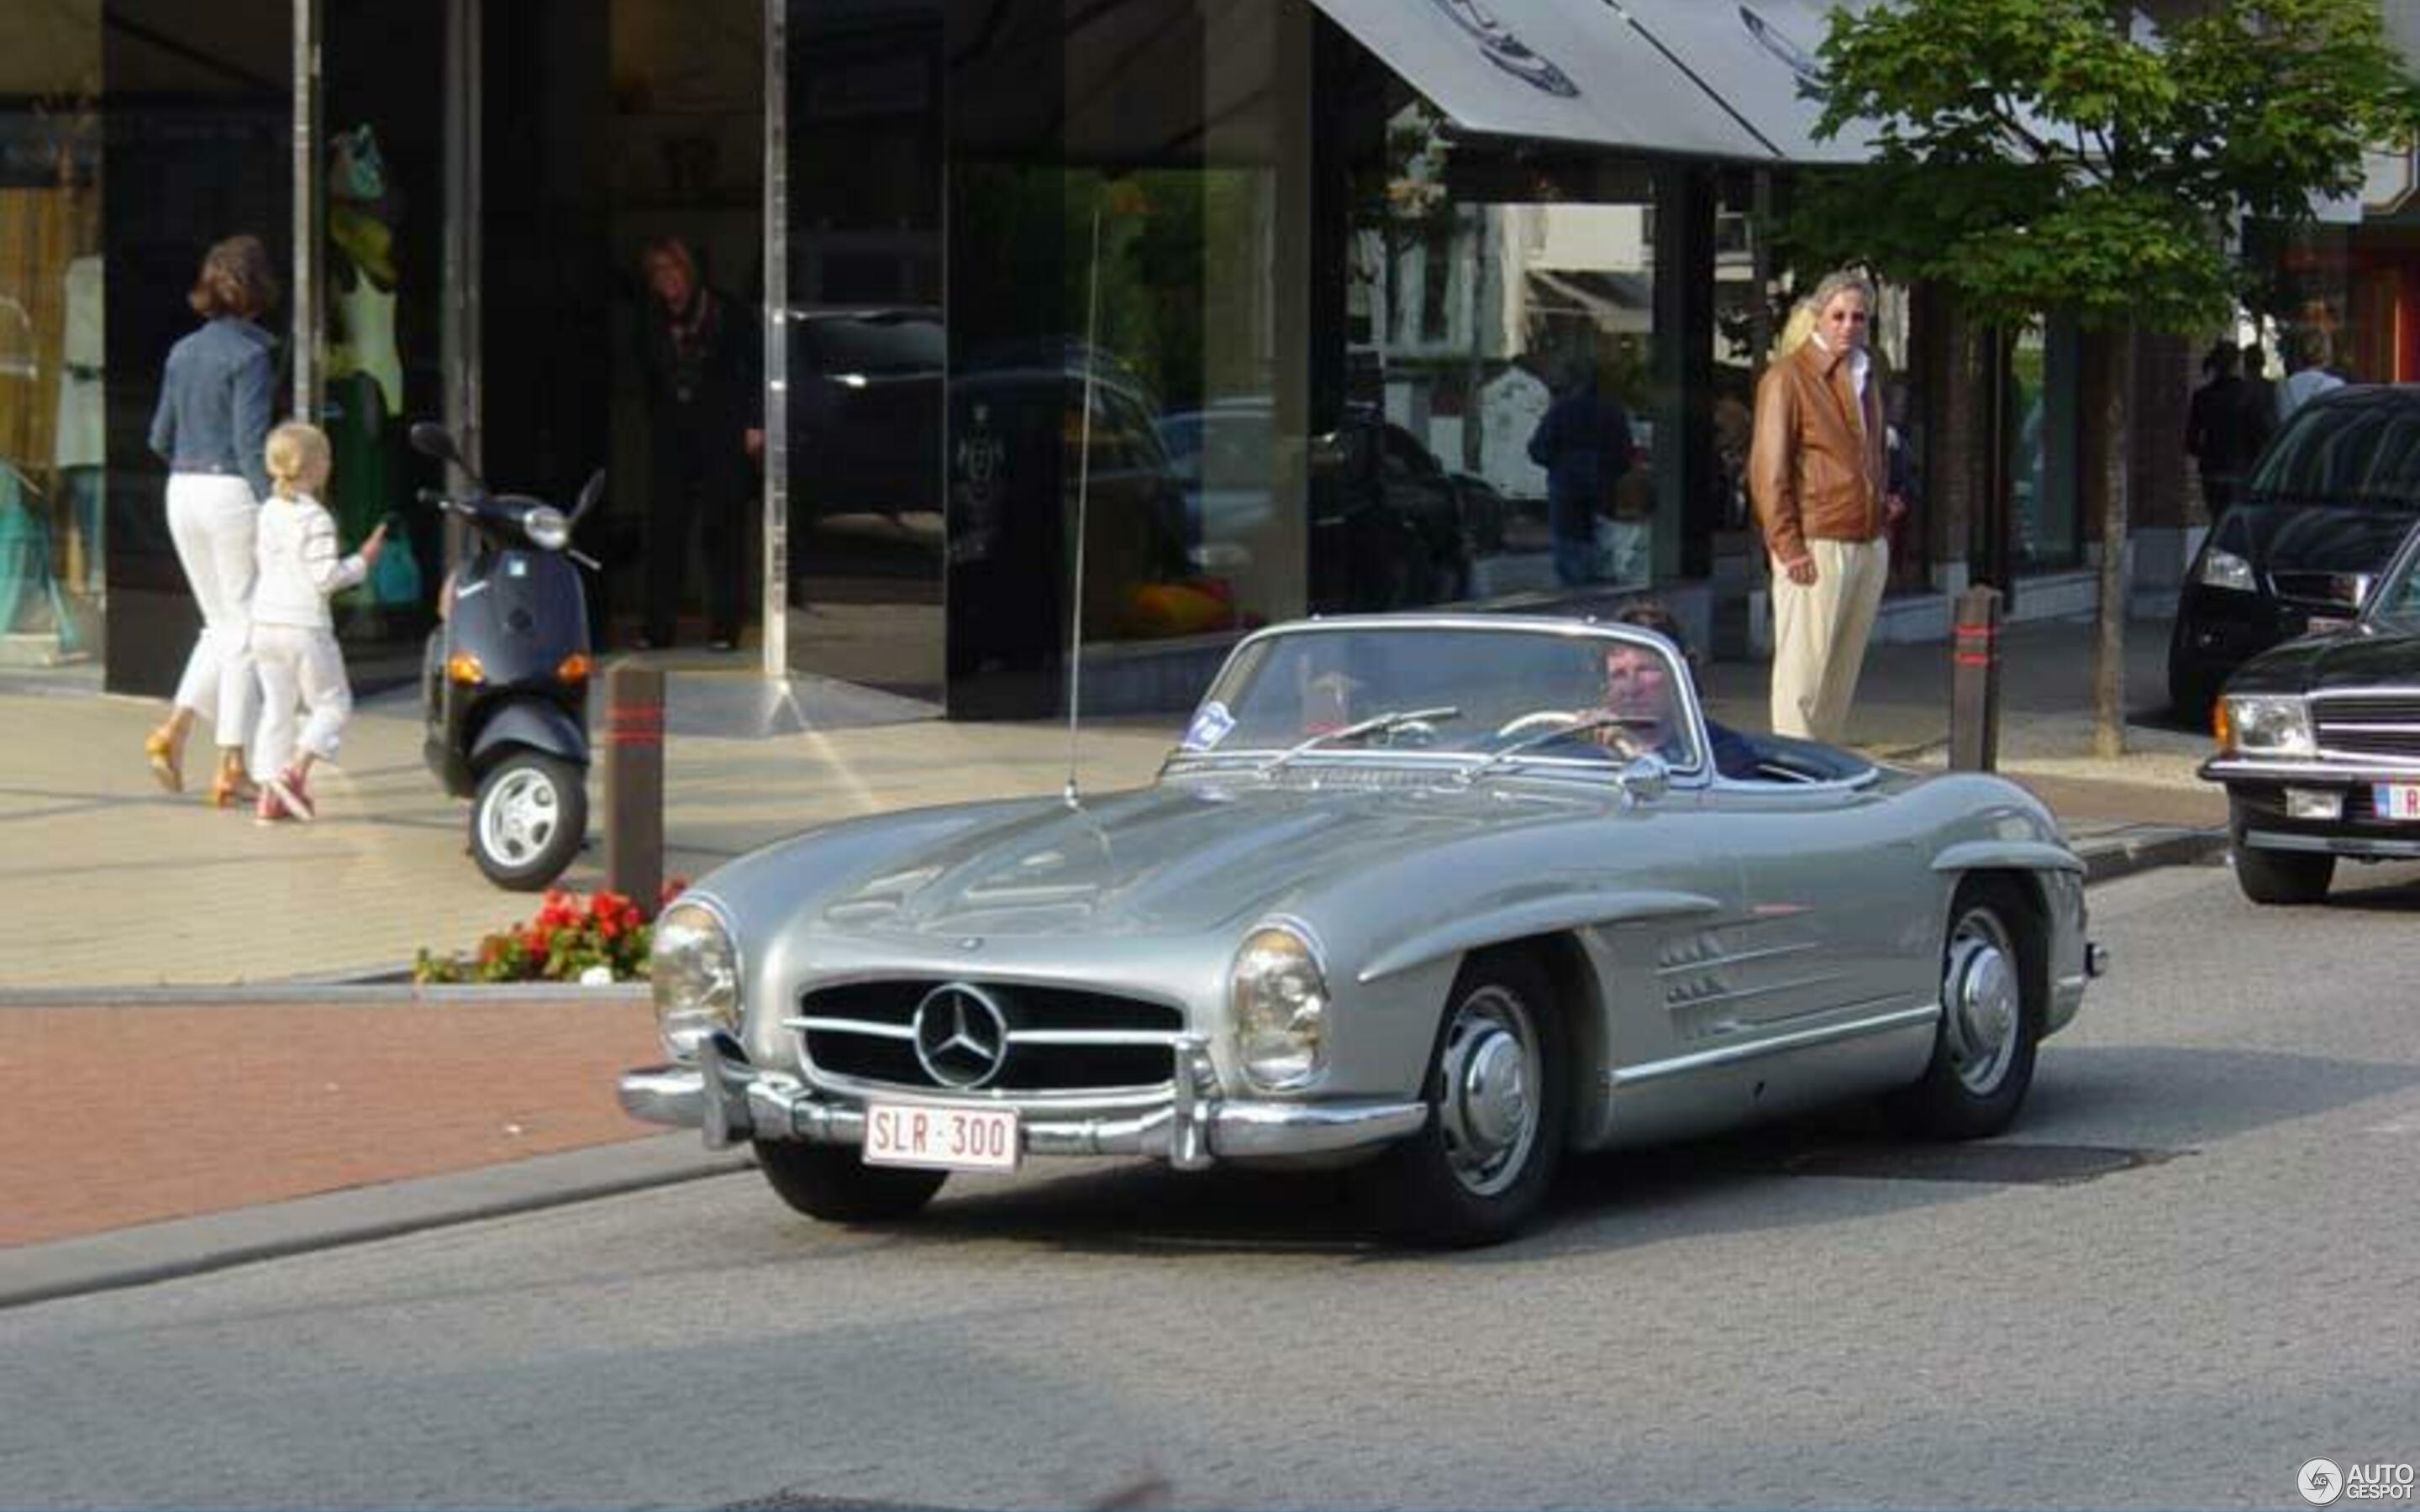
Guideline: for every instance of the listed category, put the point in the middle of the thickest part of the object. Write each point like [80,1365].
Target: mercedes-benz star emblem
[961,1035]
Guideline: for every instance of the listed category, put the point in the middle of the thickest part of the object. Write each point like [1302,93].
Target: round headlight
[546,525]
[694,970]
[1279,1001]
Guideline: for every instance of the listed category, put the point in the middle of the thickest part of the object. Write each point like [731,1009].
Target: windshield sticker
[1210,726]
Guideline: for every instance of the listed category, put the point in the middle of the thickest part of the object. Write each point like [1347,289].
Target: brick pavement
[125,1115]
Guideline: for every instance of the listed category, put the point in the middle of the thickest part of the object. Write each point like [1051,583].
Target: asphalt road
[2193,1267]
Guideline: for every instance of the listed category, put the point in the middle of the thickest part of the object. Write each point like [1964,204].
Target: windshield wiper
[1581,724]
[1376,724]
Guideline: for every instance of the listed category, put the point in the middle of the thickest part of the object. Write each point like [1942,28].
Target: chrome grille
[2383,725]
[1060,1039]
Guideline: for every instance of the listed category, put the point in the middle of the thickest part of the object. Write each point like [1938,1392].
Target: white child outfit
[293,637]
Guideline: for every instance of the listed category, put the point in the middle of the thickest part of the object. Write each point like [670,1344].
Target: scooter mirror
[590,492]
[430,439]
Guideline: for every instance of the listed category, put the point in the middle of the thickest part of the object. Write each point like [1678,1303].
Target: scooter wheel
[528,820]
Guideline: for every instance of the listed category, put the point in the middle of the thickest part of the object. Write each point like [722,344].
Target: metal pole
[308,215]
[458,329]
[1975,682]
[777,345]
[634,782]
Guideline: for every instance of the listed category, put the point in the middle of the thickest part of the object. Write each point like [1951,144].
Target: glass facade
[1131,324]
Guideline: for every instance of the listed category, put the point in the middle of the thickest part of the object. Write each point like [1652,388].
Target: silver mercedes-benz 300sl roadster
[1446,896]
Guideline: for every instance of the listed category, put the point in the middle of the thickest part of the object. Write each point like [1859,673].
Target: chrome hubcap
[1982,1002]
[1488,1106]
[519,816]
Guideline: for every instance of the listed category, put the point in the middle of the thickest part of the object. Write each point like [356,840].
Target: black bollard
[1975,682]
[634,782]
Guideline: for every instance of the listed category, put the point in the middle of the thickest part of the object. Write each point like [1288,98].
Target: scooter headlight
[546,526]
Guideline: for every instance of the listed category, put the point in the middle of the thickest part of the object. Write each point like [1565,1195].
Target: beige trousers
[1819,636]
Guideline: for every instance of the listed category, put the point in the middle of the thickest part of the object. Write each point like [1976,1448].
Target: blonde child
[293,638]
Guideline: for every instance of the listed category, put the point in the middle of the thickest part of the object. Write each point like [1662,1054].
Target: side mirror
[1327,453]
[590,493]
[1646,777]
[430,439]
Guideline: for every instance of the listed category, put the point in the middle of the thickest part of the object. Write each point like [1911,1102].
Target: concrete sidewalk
[188,960]
[127,885]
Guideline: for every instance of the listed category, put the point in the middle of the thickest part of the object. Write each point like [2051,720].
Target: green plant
[566,940]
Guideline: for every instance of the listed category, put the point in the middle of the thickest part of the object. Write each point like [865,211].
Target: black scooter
[505,686]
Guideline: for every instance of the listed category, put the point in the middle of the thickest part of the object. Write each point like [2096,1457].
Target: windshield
[1448,690]
[2360,450]
[2397,604]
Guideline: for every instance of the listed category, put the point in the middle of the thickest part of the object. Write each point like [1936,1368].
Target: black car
[2326,503]
[2319,745]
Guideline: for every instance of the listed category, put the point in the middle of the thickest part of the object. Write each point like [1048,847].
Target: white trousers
[1819,636]
[213,519]
[299,662]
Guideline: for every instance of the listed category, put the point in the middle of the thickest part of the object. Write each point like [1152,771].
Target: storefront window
[2042,430]
[1502,312]
[54,412]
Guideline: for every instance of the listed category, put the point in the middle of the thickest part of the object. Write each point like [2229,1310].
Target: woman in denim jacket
[211,427]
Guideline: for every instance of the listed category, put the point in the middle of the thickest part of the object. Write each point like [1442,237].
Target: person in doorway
[703,362]
[2213,439]
[2307,376]
[1817,475]
[293,637]
[2255,412]
[215,397]
[1583,441]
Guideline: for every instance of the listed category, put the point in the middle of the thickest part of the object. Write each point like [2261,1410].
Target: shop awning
[1704,78]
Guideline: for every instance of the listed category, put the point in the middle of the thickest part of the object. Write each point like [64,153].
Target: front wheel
[1991,987]
[2291,878]
[1498,1097]
[528,820]
[832,1182]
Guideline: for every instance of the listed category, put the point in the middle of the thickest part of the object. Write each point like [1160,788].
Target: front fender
[1519,918]
[532,722]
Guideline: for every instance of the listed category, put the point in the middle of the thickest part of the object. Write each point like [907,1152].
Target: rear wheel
[2284,877]
[1498,1091]
[1991,987]
[528,820]
[832,1182]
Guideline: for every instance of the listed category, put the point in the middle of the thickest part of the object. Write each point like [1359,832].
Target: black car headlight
[2265,724]
[2225,569]
[694,967]
[1278,998]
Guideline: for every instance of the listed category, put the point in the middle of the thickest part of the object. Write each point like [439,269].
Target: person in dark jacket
[704,363]
[1729,750]
[2255,403]
[1583,441]
[2215,436]
[211,427]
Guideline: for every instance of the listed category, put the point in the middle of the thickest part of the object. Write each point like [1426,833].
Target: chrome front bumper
[730,1101]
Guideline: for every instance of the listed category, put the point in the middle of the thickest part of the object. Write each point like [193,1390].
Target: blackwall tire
[2289,879]
[832,1182]
[1994,988]
[1498,1090]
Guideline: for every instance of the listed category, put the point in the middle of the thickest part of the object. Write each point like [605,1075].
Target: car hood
[1177,858]
[2358,655]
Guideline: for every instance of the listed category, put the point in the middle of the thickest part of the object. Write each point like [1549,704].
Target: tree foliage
[2033,155]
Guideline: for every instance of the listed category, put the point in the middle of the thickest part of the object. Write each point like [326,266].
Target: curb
[2109,857]
[149,1253]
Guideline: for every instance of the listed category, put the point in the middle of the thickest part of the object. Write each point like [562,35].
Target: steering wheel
[1534,719]
[1416,734]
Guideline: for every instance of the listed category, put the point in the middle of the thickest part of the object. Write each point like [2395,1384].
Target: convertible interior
[1782,759]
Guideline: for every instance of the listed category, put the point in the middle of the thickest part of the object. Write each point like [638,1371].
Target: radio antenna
[1083,503]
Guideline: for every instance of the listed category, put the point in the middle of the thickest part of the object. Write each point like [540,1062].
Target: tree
[2043,155]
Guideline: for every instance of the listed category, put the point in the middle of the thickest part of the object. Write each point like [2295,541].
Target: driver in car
[1638,690]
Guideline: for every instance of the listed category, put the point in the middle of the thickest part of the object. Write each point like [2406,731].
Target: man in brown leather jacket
[1818,475]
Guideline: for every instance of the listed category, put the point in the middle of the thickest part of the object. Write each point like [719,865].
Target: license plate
[942,1137]
[2396,800]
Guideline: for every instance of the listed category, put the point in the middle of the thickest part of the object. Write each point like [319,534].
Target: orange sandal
[167,761]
